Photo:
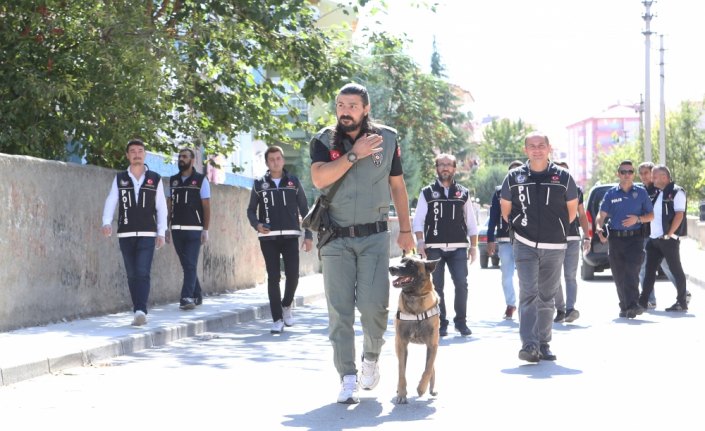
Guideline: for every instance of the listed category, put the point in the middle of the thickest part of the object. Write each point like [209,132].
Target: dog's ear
[431,265]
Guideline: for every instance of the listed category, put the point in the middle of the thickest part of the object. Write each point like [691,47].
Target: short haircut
[134,141]
[663,168]
[446,156]
[273,149]
[190,151]
[535,134]
[356,89]
[625,162]
[648,165]
[515,164]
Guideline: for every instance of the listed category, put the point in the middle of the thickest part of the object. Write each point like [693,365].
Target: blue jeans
[505,250]
[539,273]
[570,271]
[457,261]
[137,253]
[188,245]
[288,249]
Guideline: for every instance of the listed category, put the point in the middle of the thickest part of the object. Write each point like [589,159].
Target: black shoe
[677,307]
[187,304]
[560,317]
[572,315]
[198,300]
[687,297]
[443,330]
[546,353]
[529,354]
[637,310]
[463,329]
[623,313]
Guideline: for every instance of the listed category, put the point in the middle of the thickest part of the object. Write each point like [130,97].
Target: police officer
[366,159]
[444,220]
[539,200]
[276,203]
[628,206]
[142,223]
[666,228]
[189,219]
[498,241]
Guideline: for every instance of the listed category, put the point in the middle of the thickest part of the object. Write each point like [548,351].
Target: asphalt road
[611,373]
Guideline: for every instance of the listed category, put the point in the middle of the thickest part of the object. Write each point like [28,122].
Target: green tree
[606,171]
[503,141]
[404,97]
[685,148]
[485,181]
[99,73]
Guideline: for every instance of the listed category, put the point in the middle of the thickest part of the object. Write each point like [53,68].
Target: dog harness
[419,317]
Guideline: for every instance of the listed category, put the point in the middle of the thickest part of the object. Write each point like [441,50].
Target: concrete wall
[55,264]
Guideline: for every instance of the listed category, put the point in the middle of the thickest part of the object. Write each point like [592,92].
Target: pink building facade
[589,138]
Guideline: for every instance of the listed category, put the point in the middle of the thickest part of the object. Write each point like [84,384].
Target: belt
[360,229]
[625,233]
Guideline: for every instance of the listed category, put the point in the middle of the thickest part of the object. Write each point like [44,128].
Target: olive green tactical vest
[364,195]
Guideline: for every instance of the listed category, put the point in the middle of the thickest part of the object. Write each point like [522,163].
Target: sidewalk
[32,352]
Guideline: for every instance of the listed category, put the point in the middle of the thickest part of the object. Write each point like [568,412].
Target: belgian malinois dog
[417,320]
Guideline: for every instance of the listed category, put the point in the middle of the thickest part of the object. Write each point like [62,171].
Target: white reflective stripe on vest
[448,245]
[280,233]
[129,234]
[544,245]
[185,227]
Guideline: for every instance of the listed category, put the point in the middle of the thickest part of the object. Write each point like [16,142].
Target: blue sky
[556,62]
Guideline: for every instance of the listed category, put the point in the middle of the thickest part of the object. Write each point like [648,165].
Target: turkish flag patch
[334,154]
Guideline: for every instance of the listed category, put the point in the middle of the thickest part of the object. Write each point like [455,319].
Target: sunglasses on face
[626,171]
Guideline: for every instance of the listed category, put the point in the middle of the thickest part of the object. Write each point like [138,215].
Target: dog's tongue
[401,280]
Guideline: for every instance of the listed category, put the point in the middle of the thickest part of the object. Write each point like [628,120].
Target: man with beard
[366,161]
[189,219]
[445,226]
[142,222]
[276,202]
[539,200]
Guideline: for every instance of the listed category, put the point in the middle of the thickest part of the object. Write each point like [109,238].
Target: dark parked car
[596,259]
[482,245]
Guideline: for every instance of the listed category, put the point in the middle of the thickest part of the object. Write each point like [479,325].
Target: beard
[350,127]
[445,176]
[183,166]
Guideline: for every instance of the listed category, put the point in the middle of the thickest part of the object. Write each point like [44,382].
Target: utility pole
[647,80]
[662,114]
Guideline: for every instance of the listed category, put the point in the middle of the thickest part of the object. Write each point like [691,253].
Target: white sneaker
[288,316]
[370,374]
[349,390]
[140,318]
[277,327]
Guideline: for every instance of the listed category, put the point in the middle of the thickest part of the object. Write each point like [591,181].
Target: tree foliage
[98,73]
[685,148]
[503,141]
[419,105]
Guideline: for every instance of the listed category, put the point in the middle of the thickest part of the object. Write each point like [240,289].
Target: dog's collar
[418,317]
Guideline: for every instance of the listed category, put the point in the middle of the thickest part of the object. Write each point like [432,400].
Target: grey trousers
[570,273]
[539,272]
[356,274]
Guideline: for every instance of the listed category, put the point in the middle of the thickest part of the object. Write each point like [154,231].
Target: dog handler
[367,159]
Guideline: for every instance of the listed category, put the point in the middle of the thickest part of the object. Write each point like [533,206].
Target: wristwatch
[352,157]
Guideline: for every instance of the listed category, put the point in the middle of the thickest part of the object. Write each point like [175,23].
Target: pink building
[596,135]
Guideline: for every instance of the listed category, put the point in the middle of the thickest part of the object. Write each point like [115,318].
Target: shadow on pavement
[367,414]
[542,370]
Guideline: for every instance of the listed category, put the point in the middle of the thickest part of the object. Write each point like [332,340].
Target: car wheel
[495,261]
[587,272]
[483,260]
